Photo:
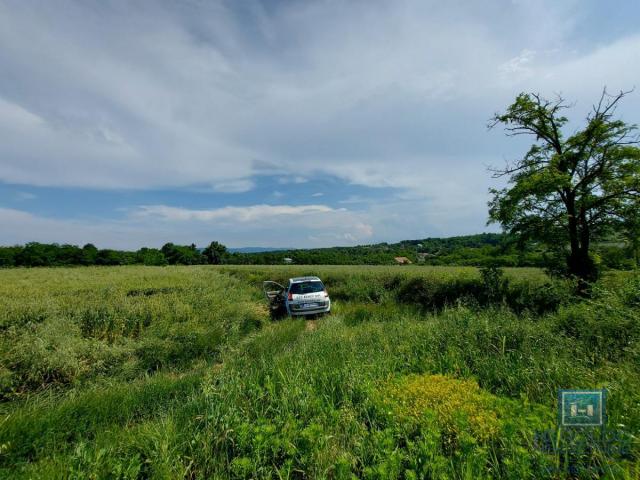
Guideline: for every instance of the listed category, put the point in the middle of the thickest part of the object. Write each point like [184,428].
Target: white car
[307,296]
[303,296]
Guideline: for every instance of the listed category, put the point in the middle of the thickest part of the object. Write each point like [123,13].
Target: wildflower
[454,403]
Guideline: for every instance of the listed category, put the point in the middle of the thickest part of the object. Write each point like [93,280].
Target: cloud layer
[119,95]
[154,225]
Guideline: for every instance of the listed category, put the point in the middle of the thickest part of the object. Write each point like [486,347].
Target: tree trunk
[579,262]
[573,261]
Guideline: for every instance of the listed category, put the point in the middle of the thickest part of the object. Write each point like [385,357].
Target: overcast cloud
[253,105]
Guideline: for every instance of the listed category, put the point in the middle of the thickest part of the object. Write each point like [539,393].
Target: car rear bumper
[295,311]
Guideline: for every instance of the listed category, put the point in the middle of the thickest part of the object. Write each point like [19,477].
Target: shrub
[607,324]
[494,285]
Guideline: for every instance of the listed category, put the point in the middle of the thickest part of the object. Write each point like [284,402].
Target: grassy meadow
[419,372]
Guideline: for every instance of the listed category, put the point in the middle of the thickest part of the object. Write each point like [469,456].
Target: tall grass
[430,288]
[385,387]
[61,327]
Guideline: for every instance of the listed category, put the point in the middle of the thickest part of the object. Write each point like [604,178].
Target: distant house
[423,256]
[402,260]
[288,260]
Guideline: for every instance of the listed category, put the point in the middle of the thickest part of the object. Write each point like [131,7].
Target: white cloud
[519,66]
[180,96]
[294,179]
[15,116]
[237,214]
[582,77]
[256,225]
[20,227]
[234,186]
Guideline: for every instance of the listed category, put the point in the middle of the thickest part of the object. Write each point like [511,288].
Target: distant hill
[478,250]
[255,249]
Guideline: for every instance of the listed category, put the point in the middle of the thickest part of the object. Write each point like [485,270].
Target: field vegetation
[419,372]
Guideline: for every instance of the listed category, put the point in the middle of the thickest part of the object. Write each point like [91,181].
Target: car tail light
[290,297]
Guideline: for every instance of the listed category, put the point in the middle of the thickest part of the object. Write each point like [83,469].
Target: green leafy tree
[568,190]
[215,253]
[8,256]
[89,254]
[36,254]
[150,256]
[182,255]
[109,257]
[68,255]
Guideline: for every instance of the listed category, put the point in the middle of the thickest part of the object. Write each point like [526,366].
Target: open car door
[274,293]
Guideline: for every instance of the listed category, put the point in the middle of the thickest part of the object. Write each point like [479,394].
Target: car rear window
[306,287]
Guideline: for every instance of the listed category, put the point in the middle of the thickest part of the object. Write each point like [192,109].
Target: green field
[419,372]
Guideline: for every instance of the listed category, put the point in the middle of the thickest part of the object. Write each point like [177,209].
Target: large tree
[567,191]
[215,253]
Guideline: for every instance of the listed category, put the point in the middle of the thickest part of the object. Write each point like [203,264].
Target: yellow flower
[453,402]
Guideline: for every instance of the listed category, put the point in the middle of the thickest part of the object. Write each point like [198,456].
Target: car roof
[304,279]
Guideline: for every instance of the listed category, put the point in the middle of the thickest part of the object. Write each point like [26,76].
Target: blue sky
[281,123]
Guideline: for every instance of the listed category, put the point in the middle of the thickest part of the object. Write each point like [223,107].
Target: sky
[282,123]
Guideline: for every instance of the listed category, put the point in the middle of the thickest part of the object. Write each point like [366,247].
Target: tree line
[36,254]
[482,250]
